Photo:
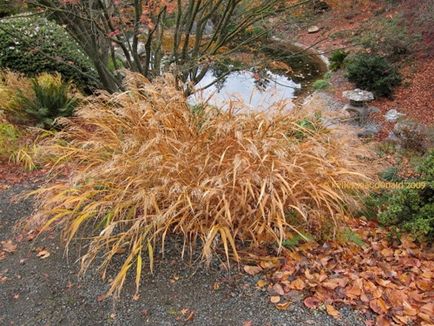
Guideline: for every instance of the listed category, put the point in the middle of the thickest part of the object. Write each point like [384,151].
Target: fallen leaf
[252,270]
[277,290]
[9,246]
[43,254]
[283,305]
[248,323]
[275,299]
[311,302]
[136,297]
[332,311]
[334,283]
[378,306]
[355,290]
[424,285]
[261,283]
[298,284]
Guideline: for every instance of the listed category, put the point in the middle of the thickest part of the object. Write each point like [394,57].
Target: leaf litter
[393,280]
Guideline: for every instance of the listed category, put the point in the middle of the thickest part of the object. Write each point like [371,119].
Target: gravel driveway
[35,291]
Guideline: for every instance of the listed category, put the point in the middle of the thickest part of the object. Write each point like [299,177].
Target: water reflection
[258,89]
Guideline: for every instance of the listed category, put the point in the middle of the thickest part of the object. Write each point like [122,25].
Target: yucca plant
[146,169]
[51,99]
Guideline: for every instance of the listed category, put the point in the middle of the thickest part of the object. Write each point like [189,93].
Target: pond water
[257,91]
[260,88]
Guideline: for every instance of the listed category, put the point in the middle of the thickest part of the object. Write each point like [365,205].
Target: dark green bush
[373,73]
[337,59]
[32,45]
[51,100]
[410,208]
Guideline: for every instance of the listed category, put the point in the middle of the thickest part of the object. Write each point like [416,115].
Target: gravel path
[47,291]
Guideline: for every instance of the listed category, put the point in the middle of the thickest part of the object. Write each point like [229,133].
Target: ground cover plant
[410,209]
[147,166]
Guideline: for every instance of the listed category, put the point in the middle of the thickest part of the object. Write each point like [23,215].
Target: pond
[280,74]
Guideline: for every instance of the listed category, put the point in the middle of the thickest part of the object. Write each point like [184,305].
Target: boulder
[412,135]
[369,131]
[313,29]
[393,115]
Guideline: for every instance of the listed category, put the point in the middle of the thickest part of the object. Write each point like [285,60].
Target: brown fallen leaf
[275,299]
[276,290]
[283,305]
[136,297]
[9,246]
[311,302]
[332,311]
[425,285]
[261,283]
[334,283]
[252,270]
[378,306]
[248,323]
[297,284]
[427,312]
[43,254]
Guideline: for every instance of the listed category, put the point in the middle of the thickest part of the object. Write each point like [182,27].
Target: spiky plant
[51,99]
[145,169]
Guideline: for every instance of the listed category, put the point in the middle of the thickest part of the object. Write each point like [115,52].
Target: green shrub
[373,73]
[337,59]
[51,100]
[8,138]
[33,45]
[320,84]
[410,209]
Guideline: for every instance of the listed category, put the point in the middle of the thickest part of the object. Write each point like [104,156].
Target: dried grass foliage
[145,167]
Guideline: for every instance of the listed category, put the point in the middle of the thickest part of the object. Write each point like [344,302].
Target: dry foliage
[145,166]
[10,83]
[393,280]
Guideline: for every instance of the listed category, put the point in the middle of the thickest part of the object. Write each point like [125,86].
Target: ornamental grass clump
[145,168]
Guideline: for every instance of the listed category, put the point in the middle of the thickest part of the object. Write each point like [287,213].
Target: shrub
[51,99]
[337,59]
[10,83]
[320,84]
[33,45]
[373,73]
[388,37]
[410,209]
[147,167]
[8,139]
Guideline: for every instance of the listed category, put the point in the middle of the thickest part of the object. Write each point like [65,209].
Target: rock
[322,101]
[358,97]
[412,135]
[313,29]
[369,131]
[393,115]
